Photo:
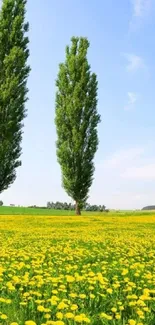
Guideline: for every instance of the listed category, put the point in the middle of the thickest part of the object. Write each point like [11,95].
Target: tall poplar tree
[14,72]
[76,121]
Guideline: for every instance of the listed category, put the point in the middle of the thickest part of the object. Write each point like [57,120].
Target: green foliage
[14,72]
[1,203]
[76,121]
[68,206]
[60,206]
[149,207]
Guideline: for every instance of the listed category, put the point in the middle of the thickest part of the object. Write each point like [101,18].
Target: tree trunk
[77,209]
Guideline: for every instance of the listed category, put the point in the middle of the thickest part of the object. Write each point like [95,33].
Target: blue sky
[122,52]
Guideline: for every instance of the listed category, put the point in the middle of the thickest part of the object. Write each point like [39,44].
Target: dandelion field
[77,270]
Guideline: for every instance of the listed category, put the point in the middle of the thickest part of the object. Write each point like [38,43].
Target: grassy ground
[77,270]
[40,212]
[49,212]
[32,211]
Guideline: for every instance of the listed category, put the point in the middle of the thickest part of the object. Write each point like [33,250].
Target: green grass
[41,212]
[50,212]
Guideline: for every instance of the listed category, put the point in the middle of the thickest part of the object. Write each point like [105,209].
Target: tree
[1,203]
[76,121]
[14,72]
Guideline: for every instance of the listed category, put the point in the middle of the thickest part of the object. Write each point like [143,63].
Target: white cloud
[141,7]
[132,99]
[123,180]
[135,62]
[130,164]
[123,157]
[146,172]
[140,11]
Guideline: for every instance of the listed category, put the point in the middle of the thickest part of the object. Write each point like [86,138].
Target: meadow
[77,270]
[13,210]
[8,210]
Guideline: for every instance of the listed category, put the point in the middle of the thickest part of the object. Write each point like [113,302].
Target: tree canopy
[76,121]
[14,72]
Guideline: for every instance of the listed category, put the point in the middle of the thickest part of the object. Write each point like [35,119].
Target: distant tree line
[149,207]
[69,206]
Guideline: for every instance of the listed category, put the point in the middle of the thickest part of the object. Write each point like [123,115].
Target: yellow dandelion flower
[30,322]
[41,308]
[132,322]
[104,315]
[86,320]
[59,315]
[69,315]
[70,278]
[78,318]
[92,296]
[62,305]
[74,307]
[47,316]
[3,316]
[125,271]
[139,312]
[146,309]
[23,303]
[73,295]
[82,295]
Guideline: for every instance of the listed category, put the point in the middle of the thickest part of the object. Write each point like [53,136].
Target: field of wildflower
[77,270]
